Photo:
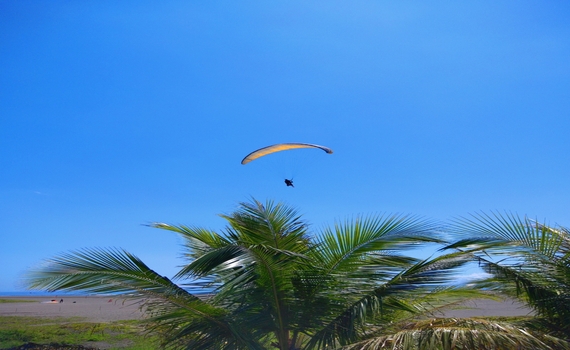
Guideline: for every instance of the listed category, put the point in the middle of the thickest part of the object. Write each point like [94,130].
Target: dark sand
[106,309]
[91,308]
[489,308]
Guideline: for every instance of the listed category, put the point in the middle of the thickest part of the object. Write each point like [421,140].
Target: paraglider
[281,147]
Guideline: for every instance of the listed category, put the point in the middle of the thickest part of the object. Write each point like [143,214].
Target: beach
[107,309]
[489,308]
[90,308]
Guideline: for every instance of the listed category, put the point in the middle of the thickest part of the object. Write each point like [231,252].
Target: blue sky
[117,114]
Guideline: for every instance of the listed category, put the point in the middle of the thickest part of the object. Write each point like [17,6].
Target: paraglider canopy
[280,147]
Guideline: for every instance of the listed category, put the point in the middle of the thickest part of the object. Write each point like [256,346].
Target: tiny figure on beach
[289,182]
[61,301]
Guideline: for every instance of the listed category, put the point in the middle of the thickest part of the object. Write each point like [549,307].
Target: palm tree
[270,284]
[526,259]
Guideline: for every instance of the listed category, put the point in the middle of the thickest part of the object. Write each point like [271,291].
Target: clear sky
[117,114]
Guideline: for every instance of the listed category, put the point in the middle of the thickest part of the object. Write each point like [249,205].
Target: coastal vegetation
[61,332]
[16,331]
[266,281]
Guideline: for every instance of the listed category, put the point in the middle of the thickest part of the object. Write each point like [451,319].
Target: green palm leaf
[447,334]
[526,259]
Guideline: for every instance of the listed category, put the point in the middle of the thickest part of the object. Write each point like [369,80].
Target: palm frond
[514,232]
[215,260]
[344,245]
[197,240]
[450,334]
[99,271]
[199,325]
[527,259]
[406,292]
[268,224]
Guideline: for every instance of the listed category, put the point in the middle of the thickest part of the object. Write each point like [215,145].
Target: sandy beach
[489,308]
[91,308]
[106,309]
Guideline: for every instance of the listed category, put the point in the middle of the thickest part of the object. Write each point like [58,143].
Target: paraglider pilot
[289,182]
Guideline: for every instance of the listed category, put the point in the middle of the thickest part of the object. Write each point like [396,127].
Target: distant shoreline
[106,308]
[89,307]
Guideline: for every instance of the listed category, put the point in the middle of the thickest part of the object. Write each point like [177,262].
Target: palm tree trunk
[292,346]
